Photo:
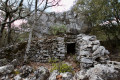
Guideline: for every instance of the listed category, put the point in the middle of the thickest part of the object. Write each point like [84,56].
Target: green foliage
[74,58]
[61,67]
[58,30]
[16,72]
[100,34]
[23,36]
[97,12]
[53,60]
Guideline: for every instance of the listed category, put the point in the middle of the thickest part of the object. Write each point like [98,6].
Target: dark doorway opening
[70,48]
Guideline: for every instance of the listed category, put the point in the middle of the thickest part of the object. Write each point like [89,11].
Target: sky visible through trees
[65,5]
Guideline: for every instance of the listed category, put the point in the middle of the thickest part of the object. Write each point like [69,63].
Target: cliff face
[73,21]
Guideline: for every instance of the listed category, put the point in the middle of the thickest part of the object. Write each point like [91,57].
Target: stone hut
[87,49]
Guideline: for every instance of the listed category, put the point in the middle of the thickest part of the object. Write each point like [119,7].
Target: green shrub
[58,30]
[16,72]
[61,67]
[53,60]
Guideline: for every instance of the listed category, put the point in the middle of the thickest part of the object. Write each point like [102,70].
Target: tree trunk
[1,30]
[9,31]
[30,34]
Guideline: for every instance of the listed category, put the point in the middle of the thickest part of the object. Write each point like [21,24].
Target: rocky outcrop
[100,72]
[73,21]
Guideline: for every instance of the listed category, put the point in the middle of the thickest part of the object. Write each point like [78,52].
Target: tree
[45,4]
[100,12]
[13,10]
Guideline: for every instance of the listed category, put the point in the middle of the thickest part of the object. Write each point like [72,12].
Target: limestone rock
[99,72]
[17,77]
[41,74]
[15,62]
[65,76]
[86,60]
[53,75]
[6,69]
[25,71]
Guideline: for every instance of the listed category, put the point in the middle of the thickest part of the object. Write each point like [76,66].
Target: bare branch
[20,5]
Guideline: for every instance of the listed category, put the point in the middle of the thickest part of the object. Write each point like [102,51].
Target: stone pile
[90,52]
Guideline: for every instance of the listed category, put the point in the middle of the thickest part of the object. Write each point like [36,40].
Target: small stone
[94,48]
[96,42]
[15,62]
[92,38]
[67,76]
[17,77]
[53,75]
[86,60]
[84,53]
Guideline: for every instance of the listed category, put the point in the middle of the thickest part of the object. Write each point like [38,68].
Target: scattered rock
[53,75]
[67,76]
[40,74]
[98,72]
[15,62]
[17,77]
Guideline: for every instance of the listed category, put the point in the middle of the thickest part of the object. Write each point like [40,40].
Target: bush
[58,30]
[16,72]
[53,60]
[61,67]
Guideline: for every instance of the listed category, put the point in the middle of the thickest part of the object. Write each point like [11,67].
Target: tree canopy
[102,13]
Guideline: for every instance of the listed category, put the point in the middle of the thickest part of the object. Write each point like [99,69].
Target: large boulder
[6,69]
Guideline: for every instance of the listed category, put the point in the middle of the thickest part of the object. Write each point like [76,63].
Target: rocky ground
[33,70]
[41,71]
[91,62]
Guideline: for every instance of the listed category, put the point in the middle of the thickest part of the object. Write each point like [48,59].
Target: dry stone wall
[45,48]
[88,49]
[90,52]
